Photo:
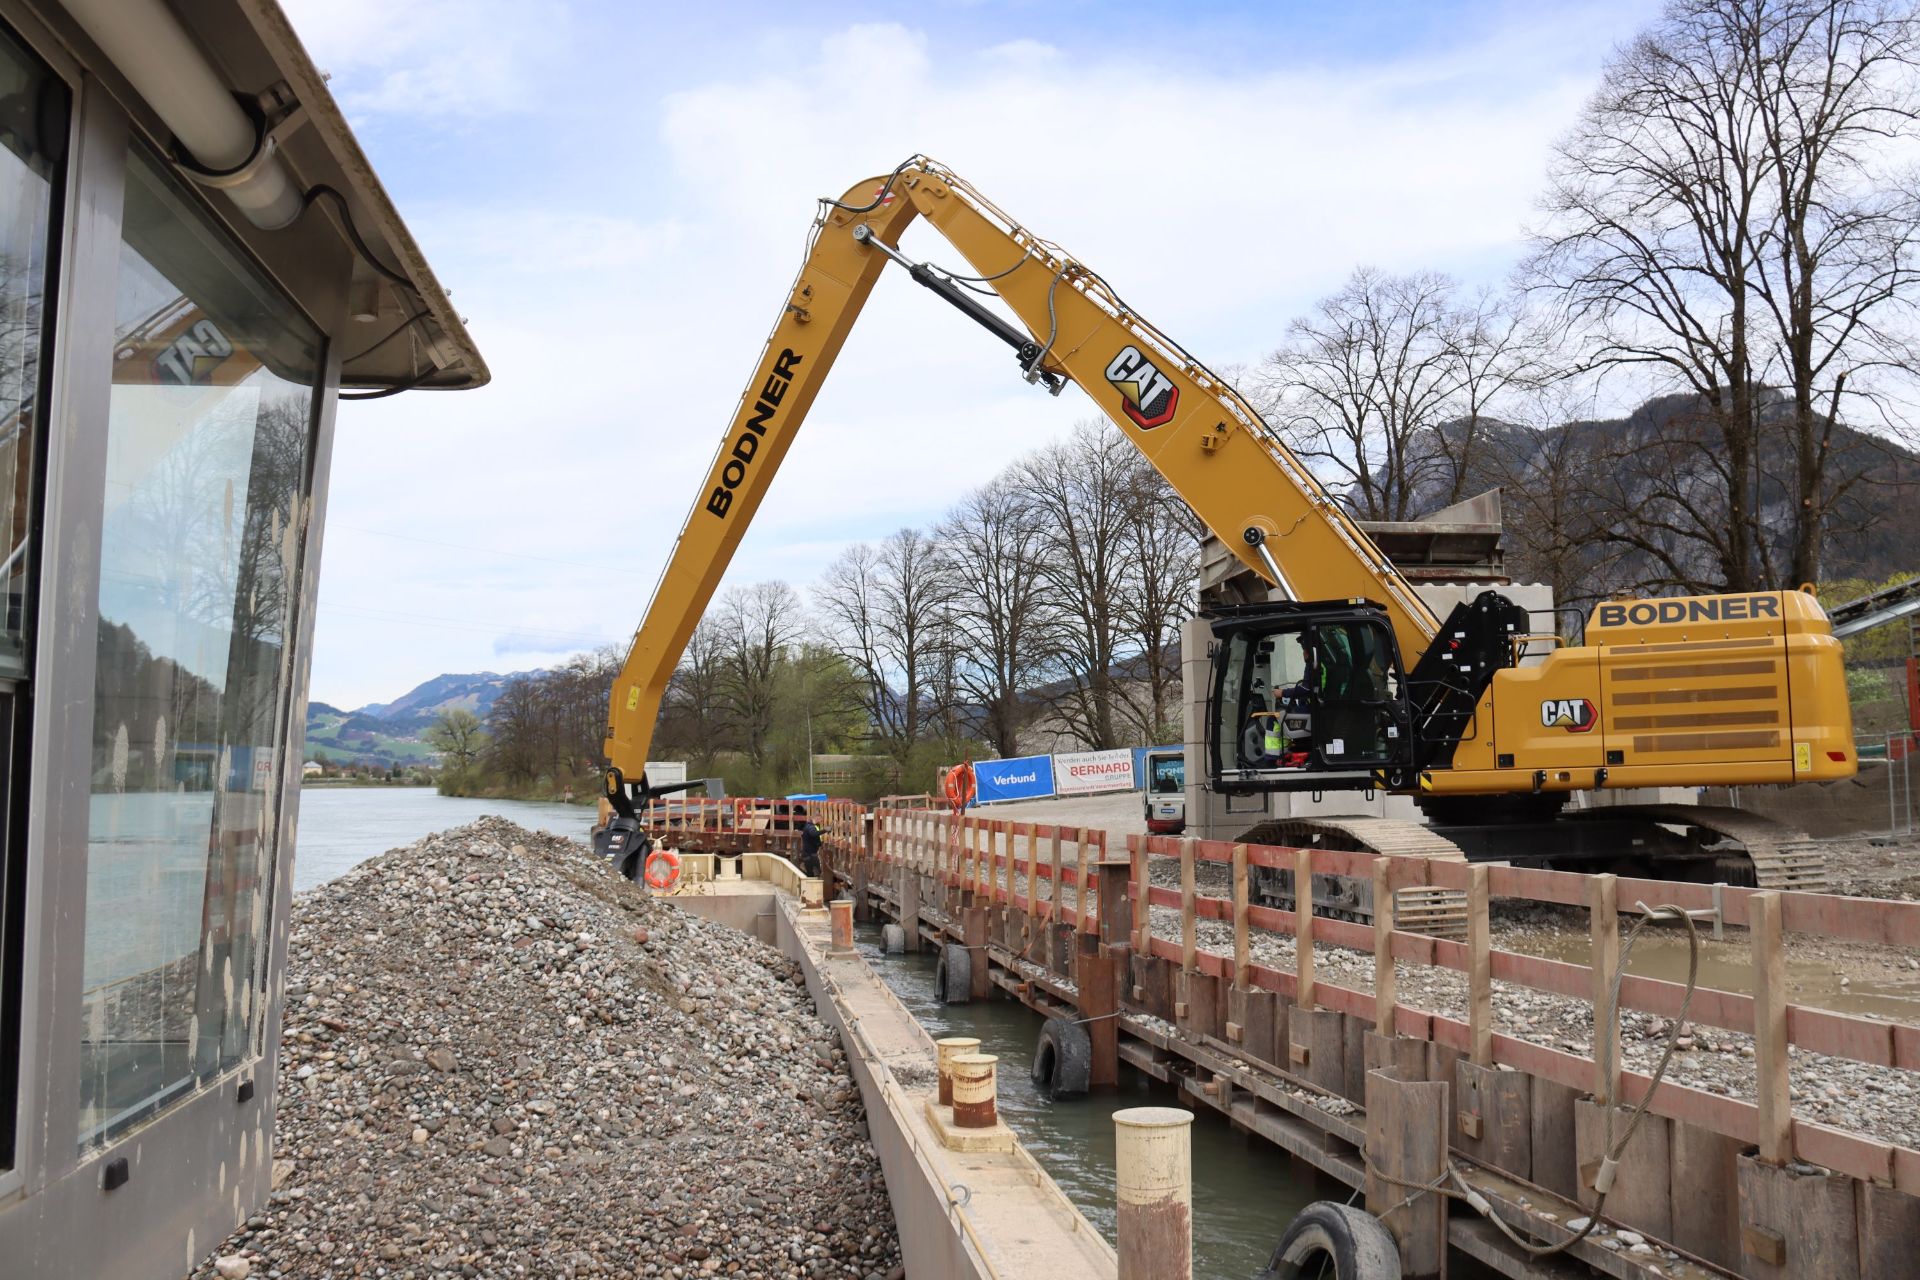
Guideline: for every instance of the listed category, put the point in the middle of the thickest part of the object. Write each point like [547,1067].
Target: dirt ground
[1121,812]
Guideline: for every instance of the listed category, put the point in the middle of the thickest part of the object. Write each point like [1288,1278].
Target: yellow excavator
[1345,679]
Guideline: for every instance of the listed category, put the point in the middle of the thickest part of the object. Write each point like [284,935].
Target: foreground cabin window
[207,443]
[32,143]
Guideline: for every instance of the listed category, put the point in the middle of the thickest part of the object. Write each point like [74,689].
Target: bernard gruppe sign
[1081,772]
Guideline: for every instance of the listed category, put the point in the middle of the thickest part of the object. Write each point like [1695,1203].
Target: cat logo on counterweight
[1575,715]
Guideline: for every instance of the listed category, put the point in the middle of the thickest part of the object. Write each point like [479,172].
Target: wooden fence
[1002,863]
[741,824]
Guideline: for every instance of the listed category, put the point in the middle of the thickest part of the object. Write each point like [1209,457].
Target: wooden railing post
[1604,922]
[1303,927]
[1242,946]
[1770,1029]
[1142,917]
[1053,893]
[1033,881]
[1189,922]
[1383,976]
[1479,981]
[1083,892]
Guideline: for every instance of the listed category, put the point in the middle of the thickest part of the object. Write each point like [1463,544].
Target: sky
[617,197]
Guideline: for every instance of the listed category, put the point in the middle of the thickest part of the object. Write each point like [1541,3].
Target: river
[1244,1191]
[343,826]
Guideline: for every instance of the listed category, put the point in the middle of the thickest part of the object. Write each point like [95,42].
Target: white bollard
[1153,1177]
[945,1051]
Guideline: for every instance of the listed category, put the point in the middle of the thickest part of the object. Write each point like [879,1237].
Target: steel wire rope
[1612,1148]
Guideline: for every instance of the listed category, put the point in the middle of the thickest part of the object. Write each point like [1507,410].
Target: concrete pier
[979,1209]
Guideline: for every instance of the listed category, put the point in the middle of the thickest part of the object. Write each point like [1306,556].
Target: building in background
[195,258]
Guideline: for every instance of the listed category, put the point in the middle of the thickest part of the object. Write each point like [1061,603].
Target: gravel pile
[501,1060]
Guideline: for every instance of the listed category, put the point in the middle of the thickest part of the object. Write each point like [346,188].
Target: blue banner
[1025,778]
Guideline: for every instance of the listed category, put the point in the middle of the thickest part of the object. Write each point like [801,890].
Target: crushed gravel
[1857,1096]
[500,1059]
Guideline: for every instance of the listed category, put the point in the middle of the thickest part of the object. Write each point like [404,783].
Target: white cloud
[455,59]
[622,312]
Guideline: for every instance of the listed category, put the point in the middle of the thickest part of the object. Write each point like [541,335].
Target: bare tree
[1160,551]
[1386,387]
[690,714]
[1833,82]
[994,542]
[1716,219]
[758,624]
[885,610]
[1080,489]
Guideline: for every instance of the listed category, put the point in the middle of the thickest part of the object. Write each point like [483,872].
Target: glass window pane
[207,437]
[33,137]
[33,132]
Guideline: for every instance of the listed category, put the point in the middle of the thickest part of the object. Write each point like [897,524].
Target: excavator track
[1421,909]
[1750,849]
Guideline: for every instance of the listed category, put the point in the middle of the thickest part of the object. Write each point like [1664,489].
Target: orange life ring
[672,876]
[960,786]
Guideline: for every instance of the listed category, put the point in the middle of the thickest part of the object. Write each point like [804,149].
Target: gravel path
[501,1060]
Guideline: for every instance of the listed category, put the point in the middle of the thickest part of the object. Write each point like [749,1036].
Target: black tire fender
[1063,1058]
[953,974]
[1328,1238]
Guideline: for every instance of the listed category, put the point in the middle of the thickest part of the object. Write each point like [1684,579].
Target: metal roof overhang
[253,45]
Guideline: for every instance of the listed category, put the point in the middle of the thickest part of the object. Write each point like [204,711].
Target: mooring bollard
[812,893]
[974,1090]
[1153,1177]
[945,1051]
[840,911]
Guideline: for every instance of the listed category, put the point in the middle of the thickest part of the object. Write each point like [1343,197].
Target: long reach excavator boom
[1309,690]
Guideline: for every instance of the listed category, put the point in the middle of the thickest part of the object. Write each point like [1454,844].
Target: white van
[1166,792]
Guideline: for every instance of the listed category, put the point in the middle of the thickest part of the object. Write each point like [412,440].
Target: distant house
[311,769]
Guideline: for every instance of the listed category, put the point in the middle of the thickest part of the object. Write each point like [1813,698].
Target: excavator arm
[1195,429]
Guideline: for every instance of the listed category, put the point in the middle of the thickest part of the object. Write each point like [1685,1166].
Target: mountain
[1657,477]
[475,692]
[390,733]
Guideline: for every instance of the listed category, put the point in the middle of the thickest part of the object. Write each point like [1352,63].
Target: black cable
[384,392]
[314,193]
[879,198]
[398,329]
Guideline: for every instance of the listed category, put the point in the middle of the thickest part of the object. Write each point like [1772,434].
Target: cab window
[1305,695]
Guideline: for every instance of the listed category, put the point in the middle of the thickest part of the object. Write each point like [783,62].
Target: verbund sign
[1025,778]
[1084,771]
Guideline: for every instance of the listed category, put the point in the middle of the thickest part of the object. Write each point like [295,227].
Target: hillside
[418,706]
[1636,503]
[389,733]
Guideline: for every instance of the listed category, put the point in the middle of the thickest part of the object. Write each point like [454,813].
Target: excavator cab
[1306,697]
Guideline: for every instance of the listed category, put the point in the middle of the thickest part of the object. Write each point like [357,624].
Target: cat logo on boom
[1575,715]
[1147,395]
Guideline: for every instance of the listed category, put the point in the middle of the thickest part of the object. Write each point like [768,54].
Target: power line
[490,551]
[447,623]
